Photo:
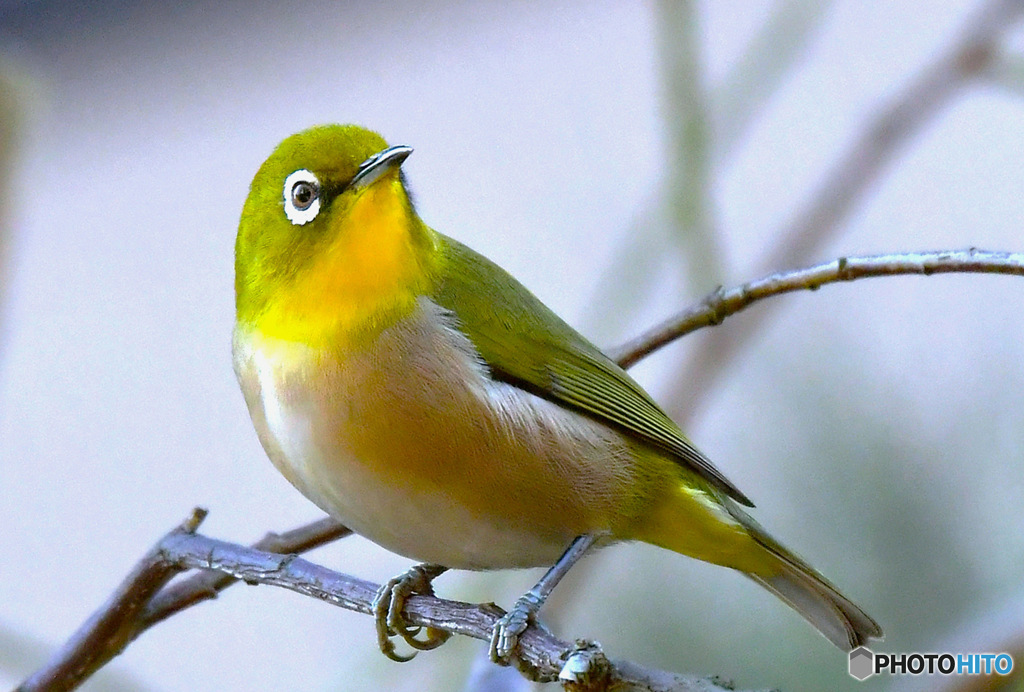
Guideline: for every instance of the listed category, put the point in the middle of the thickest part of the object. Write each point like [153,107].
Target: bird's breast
[412,444]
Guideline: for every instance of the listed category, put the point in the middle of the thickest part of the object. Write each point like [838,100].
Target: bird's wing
[525,344]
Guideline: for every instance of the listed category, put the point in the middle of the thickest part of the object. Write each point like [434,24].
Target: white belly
[416,448]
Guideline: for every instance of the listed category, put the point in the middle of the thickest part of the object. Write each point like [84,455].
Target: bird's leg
[387,610]
[505,635]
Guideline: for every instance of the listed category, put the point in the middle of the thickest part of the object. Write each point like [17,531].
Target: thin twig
[846,183]
[721,303]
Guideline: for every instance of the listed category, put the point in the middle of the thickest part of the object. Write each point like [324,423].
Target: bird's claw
[510,626]
[387,611]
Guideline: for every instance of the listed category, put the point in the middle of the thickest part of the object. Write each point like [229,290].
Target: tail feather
[801,587]
[702,523]
[831,613]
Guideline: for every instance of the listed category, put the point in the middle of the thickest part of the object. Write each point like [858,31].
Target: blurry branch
[703,128]
[9,124]
[1007,71]
[678,216]
[721,303]
[144,598]
[688,204]
[766,61]
[16,650]
[851,177]
[630,276]
[582,667]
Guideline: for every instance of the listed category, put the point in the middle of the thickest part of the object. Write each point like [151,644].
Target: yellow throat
[376,259]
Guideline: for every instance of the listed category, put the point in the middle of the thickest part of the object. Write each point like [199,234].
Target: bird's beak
[377,165]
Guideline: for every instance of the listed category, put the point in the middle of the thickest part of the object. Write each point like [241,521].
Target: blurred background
[622,160]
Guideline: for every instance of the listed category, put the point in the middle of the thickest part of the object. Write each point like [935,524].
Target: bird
[422,396]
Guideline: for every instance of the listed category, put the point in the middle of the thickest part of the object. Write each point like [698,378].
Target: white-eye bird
[422,396]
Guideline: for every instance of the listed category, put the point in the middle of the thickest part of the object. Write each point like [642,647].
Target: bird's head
[329,238]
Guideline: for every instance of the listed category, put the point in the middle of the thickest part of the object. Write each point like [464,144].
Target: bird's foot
[506,632]
[387,611]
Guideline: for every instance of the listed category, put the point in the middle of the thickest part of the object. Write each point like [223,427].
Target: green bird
[419,394]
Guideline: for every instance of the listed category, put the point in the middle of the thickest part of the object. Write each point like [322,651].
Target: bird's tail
[807,592]
[707,525]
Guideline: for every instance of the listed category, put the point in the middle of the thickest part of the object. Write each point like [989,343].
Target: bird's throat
[365,278]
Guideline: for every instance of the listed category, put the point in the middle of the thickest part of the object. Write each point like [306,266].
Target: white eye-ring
[301,197]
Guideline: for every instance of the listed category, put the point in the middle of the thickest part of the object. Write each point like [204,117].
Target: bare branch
[846,183]
[144,597]
[543,657]
[139,602]
[205,585]
[542,654]
[721,303]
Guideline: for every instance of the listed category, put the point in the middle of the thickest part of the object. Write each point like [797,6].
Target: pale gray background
[879,426]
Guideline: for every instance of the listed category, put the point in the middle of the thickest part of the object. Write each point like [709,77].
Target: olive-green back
[527,345]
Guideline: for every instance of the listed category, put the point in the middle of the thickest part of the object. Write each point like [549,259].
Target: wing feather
[525,344]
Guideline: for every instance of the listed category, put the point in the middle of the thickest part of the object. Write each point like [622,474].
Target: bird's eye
[301,197]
